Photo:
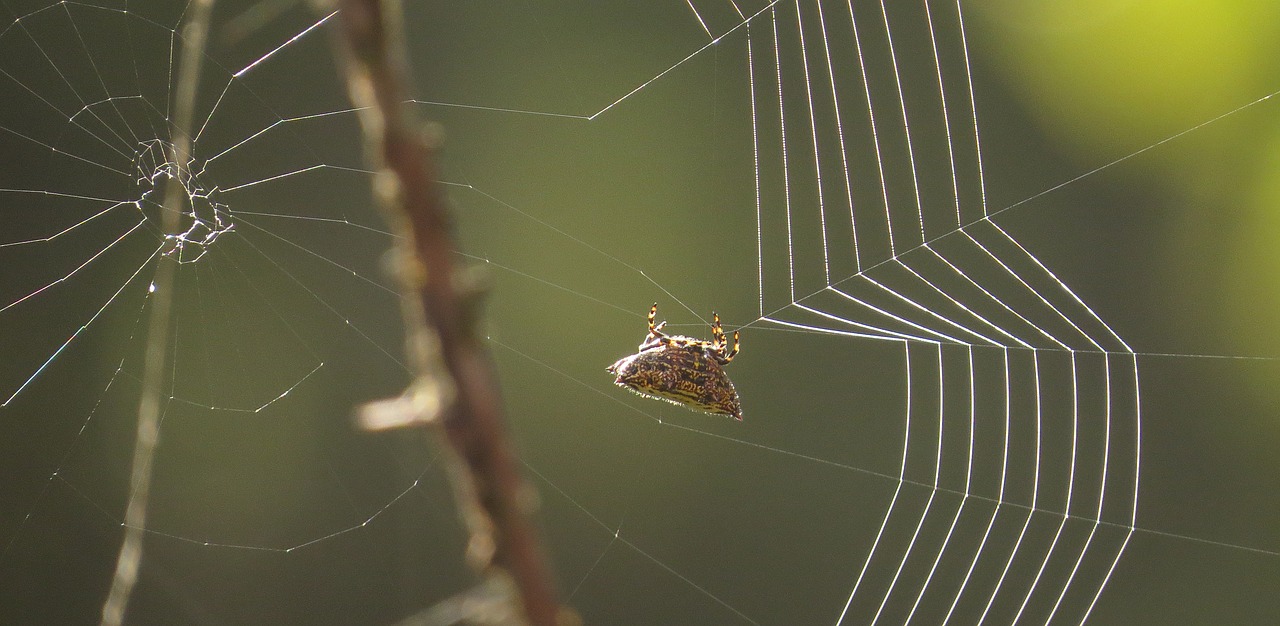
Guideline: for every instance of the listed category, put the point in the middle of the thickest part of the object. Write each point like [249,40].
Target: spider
[682,370]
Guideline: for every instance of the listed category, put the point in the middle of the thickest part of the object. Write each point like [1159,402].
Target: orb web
[940,427]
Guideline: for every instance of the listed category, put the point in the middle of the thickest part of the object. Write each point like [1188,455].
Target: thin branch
[155,360]
[453,370]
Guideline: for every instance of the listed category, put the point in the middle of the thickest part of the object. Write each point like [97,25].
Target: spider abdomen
[681,374]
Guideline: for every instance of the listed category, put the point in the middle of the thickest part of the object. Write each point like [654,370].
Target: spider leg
[655,331]
[657,334]
[734,352]
[718,341]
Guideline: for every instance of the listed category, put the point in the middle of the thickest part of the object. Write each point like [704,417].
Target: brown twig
[439,310]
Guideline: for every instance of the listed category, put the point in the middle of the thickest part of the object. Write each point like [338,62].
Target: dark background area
[652,514]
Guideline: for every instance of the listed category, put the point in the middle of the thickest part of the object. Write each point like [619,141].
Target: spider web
[941,424]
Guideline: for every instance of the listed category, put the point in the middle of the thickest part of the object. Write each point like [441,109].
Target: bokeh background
[1164,225]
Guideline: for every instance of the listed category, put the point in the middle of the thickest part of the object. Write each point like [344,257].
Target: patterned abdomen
[680,374]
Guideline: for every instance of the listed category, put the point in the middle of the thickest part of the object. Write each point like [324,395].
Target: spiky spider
[682,370]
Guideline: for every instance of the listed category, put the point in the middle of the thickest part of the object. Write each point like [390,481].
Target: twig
[154,362]
[440,315]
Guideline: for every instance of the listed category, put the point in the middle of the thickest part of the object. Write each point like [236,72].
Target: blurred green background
[653,515]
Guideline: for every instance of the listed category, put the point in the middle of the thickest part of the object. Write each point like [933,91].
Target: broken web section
[946,420]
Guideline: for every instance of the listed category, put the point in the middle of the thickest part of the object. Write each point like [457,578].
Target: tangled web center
[202,220]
